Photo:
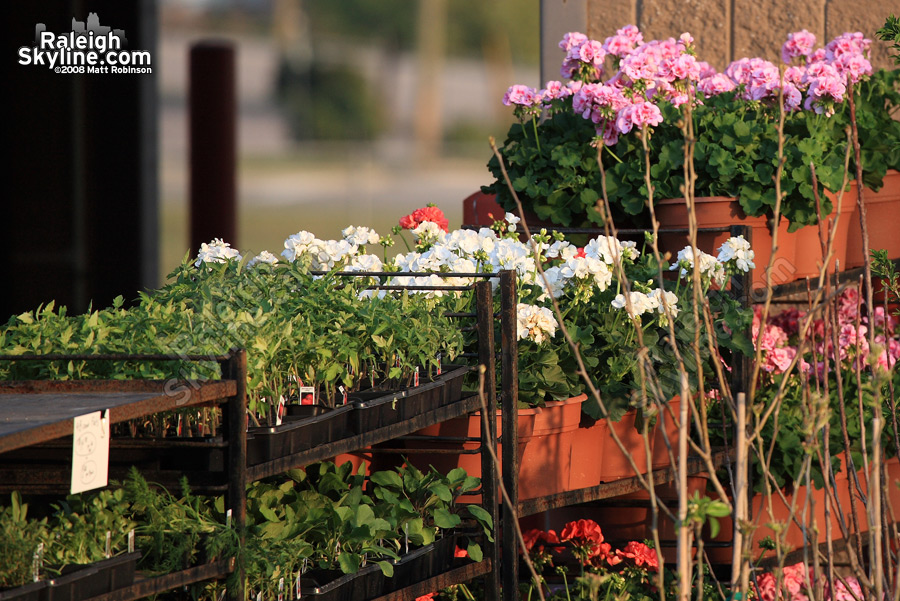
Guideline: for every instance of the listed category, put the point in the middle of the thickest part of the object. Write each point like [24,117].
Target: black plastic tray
[298,433]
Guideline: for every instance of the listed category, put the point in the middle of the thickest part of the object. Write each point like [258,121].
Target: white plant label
[279,412]
[90,452]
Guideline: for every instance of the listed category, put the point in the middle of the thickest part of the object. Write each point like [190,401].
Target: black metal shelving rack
[23,423]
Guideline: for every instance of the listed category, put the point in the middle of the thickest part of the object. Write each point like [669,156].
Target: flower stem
[537,140]
[612,154]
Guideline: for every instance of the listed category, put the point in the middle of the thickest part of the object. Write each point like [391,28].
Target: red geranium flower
[428,597]
[408,223]
[535,536]
[460,552]
[433,214]
[428,213]
[641,554]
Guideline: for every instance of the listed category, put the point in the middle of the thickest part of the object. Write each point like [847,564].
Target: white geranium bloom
[640,303]
[609,249]
[428,232]
[365,263]
[464,242]
[360,236]
[562,249]
[263,257]
[535,323]
[665,300]
[487,239]
[585,267]
[512,220]
[217,251]
[737,249]
[297,244]
[709,266]
[556,282]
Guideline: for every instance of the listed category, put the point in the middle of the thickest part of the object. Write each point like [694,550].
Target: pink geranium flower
[799,43]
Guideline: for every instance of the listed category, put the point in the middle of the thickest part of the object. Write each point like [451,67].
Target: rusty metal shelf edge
[449,578]
[435,416]
[159,584]
[612,489]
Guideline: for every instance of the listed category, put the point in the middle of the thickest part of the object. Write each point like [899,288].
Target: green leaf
[349,563]
[474,550]
[444,519]
[388,479]
[387,568]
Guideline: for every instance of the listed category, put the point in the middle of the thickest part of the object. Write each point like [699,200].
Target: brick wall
[723,29]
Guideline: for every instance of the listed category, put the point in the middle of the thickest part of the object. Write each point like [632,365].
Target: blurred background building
[348,112]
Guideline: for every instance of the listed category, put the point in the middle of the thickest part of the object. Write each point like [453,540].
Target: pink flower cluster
[649,73]
[779,338]
[799,582]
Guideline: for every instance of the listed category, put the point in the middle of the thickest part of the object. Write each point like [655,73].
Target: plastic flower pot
[882,217]
[32,591]
[305,427]
[550,453]
[616,465]
[720,211]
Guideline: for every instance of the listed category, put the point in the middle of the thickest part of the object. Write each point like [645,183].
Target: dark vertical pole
[235,417]
[484,309]
[213,143]
[509,403]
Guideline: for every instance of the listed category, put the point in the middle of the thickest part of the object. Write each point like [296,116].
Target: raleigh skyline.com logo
[88,48]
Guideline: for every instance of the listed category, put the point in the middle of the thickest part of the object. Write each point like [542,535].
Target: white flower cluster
[535,323]
[609,250]
[263,257]
[323,255]
[360,236]
[736,252]
[638,303]
[217,251]
[428,232]
[709,266]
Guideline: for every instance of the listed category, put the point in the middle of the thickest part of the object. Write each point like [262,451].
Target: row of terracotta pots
[556,451]
[798,254]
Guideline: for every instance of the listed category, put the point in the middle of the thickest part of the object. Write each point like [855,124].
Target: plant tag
[364,560]
[303,568]
[439,370]
[406,538]
[228,519]
[259,596]
[90,451]
[307,395]
[281,589]
[343,392]
[108,544]
[416,378]
[222,595]
[178,427]
[131,541]
[297,586]
[279,412]
[37,562]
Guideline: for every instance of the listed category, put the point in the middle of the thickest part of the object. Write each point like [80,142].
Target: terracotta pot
[762,516]
[545,467]
[882,217]
[545,450]
[808,256]
[587,453]
[720,211]
[482,210]
[615,463]
[666,428]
